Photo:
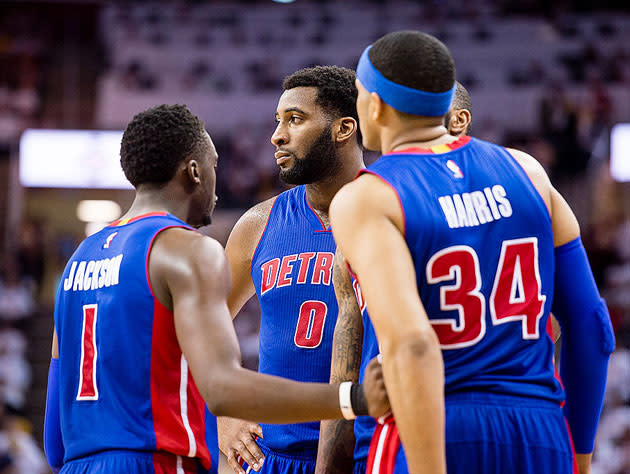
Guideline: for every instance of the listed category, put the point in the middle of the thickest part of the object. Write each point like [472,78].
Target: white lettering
[446,202]
[78,279]
[481,207]
[87,280]
[67,284]
[505,208]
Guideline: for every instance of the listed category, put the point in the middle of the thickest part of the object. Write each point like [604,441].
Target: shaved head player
[461,248]
[344,444]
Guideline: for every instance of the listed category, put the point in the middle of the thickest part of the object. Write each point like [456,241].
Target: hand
[238,438]
[584,463]
[374,389]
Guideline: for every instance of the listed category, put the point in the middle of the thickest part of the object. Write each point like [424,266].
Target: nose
[279,136]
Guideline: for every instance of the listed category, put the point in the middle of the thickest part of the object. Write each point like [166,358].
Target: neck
[321,193]
[150,199]
[423,132]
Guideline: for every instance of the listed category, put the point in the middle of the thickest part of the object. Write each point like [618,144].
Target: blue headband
[402,98]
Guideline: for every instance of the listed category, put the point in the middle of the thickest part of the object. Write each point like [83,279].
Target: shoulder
[248,230]
[184,257]
[187,251]
[535,172]
[366,196]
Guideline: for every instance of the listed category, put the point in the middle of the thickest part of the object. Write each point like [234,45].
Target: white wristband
[345,403]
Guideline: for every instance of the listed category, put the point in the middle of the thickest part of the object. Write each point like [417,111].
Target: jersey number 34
[515,297]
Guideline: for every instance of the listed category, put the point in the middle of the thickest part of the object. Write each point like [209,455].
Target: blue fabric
[212,440]
[403,98]
[359,467]
[292,274]
[277,463]
[53,443]
[119,462]
[130,330]
[499,434]
[587,341]
[511,356]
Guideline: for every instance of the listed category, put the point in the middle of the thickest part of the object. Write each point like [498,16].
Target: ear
[376,107]
[344,128]
[459,122]
[193,172]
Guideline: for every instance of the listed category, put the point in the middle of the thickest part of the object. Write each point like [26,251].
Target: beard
[319,163]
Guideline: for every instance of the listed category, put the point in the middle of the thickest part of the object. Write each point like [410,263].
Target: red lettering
[269,275]
[88,389]
[305,261]
[322,271]
[285,270]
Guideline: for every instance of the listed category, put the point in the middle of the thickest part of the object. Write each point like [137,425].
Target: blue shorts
[285,463]
[132,462]
[488,434]
[359,466]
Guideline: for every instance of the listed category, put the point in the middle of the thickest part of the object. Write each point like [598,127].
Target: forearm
[241,393]
[414,367]
[336,447]
[336,437]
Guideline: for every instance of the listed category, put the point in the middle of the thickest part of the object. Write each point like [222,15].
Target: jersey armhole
[150,248]
[529,179]
[257,248]
[400,203]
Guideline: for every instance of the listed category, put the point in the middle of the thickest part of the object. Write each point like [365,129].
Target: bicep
[199,282]
[564,222]
[240,258]
[240,248]
[378,253]
[54,353]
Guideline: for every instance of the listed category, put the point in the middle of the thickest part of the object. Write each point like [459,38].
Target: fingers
[256,429]
[240,446]
[232,458]
[253,451]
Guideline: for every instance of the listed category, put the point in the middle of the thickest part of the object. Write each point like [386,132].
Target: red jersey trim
[261,235]
[323,229]
[402,209]
[434,150]
[120,222]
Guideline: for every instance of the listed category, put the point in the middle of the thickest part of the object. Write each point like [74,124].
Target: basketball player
[282,250]
[456,243]
[142,308]
[343,444]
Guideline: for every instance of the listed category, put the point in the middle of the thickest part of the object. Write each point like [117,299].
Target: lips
[282,157]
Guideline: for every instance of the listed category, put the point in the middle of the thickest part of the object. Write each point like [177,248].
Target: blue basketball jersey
[364,425]
[292,273]
[124,382]
[481,240]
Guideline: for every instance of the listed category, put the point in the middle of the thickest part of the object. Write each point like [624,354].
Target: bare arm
[368,224]
[336,437]
[565,229]
[240,249]
[190,274]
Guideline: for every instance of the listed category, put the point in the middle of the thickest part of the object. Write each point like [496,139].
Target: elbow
[219,392]
[417,347]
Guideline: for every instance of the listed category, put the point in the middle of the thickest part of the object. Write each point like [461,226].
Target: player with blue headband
[462,248]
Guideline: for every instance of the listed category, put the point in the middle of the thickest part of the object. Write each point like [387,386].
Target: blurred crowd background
[551,78]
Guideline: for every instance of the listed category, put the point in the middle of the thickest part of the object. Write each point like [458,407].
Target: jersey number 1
[88,390]
[516,292]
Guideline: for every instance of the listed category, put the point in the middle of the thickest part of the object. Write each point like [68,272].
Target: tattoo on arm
[336,440]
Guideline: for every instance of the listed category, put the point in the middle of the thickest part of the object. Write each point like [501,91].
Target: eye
[295,119]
